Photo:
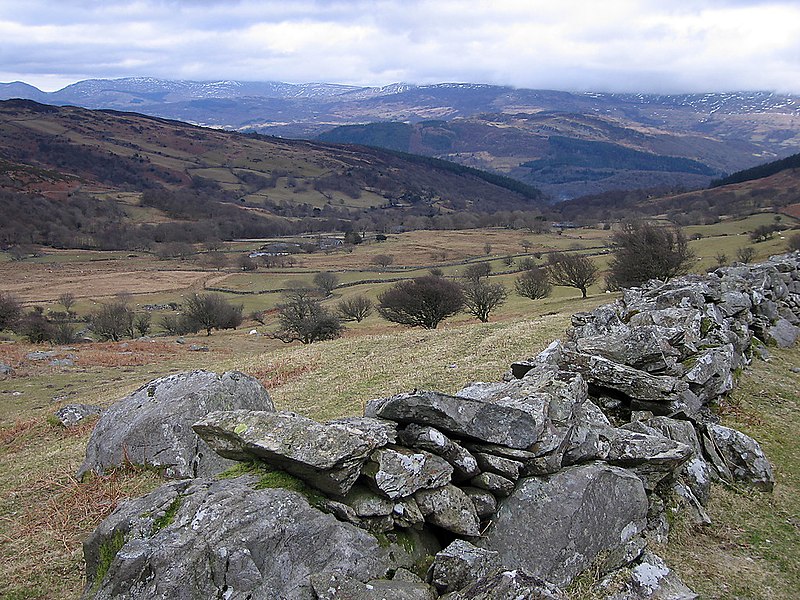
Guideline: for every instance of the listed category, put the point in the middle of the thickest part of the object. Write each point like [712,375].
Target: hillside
[496,128]
[71,176]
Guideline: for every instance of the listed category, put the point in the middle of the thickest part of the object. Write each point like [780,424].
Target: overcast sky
[576,45]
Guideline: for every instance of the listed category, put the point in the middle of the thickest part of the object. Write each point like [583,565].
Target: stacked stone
[567,463]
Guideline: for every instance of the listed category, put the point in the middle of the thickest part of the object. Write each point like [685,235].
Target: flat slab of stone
[398,472]
[506,424]
[553,527]
[327,457]
[510,585]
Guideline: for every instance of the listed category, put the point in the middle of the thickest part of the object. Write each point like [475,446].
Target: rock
[378,431]
[365,503]
[651,579]
[430,439]
[484,501]
[335,586]
[712,373]
[72,414]
[449,508]
[783,334]
[198,348]
[223,539]
[497,484]
[509,425]
[398,472]
[647,348]
[734,302]
[607,374]
[510,469]
[41,355]
[652,457]
[461,564]
[153,425]
[553,527]
[743,456]
[327,457]
[6,370]
[406,513]
[62,362]
[509,585]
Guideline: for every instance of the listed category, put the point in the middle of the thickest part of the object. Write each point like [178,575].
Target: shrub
[302,318]
[383,260]
[10,310]
[643,251]
[572,270]
[326,281]
[422,302]
[534,284]
[211,311]
[745,254]
[354,309]
[476,271]
[35,327]
[112,321]
[793,243]
[482,297]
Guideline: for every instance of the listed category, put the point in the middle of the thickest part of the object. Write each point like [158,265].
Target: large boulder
[224,539]
[327,456]
[554,527]
[153,425]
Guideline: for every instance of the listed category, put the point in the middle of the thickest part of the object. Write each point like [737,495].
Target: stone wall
[505,489]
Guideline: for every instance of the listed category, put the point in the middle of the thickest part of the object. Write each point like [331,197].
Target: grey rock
[6,370]
[494,483]
[41,355]
[62,362]
[783,333]
[224,539]
[508,468]
[691,504]
[647,348]
[398,472]
[743,456]
[652,457]
[734,302]
[335,586]
[72,415]
[327,457]
[449,508]
[712,373]
[461,564]
[434,441]
[634,383]
[484,501]
[480,390]
[509,425]
[553,527]
[509,585]
[379,431]
[651,579]
[365,503]
[406,513]
[153,425]
[198,348]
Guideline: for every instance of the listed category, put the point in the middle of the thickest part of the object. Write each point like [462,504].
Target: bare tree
[10,310]
[643,251]
[482,297]
[354,309]
[326,281]
[745,254]
[210,311]
[476,271]
[302,318]
[534,283]
[422,302]
[793,243]
[572,270]
[721,258]
[383,260]
[142,323]
[113,321]
[487,248]
[67,300]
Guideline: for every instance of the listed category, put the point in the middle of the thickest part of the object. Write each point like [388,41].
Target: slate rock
[743,456]
[335,586]
[366,503]
[651,579]
[378,431]
[494,483]
[553,527]
[461,564]
[37,355]
[449,508]
[428,438]
[223,539]
[6,370]
[652,457]
[783,333]
[327,457]
[508,468]
[509,585]
[647,348]
[484,501]
[72,415]
[398,472]
[506,424]
[153,425]
[631,382]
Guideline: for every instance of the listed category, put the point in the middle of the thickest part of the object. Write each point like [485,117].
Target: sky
[654,46]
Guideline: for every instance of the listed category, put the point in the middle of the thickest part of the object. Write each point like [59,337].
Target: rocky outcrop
[567,463]
[153,426]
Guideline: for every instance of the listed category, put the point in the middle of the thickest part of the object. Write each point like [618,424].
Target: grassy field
[45,513]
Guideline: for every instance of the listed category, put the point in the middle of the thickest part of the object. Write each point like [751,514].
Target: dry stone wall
[509,488]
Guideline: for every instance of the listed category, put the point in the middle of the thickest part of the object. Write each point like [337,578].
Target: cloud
[616,45]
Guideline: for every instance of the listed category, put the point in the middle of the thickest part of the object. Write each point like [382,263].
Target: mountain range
[567,144]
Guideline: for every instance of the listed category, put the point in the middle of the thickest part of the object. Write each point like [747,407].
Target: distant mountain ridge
[490,127]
